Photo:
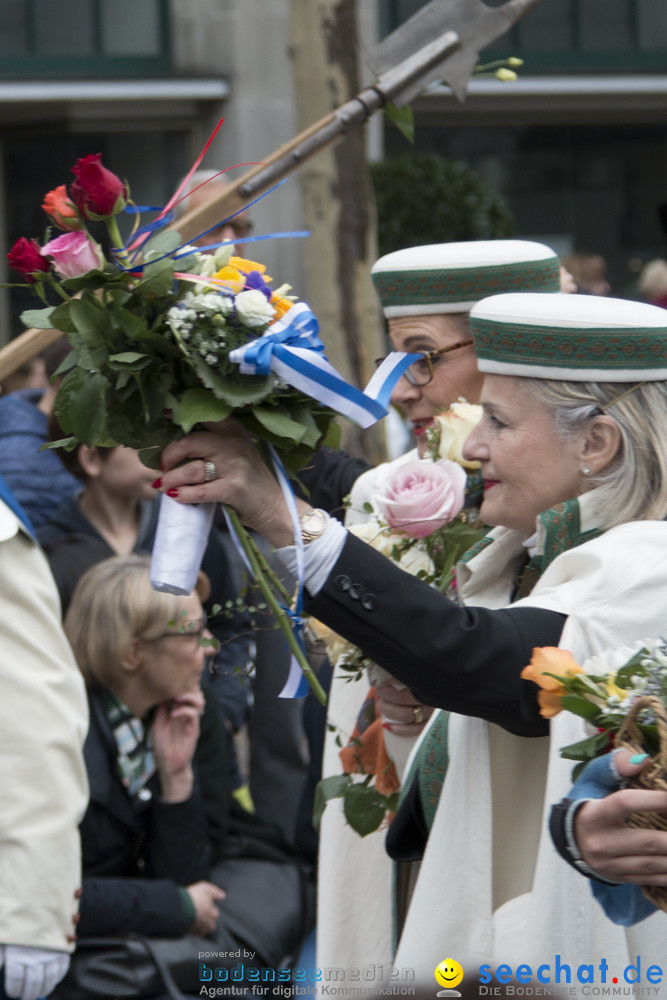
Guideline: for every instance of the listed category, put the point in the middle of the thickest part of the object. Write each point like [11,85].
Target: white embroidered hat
[452,277]
[580,338]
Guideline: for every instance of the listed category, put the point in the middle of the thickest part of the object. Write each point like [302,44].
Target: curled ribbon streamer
[291,349]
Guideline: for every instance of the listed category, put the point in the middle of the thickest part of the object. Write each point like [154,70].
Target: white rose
[253,308]
[415,560]
[454,426]
[412,560]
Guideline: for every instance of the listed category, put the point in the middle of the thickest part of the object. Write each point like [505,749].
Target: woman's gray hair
[634,486]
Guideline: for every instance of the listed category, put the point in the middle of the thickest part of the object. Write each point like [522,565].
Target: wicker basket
[652,777]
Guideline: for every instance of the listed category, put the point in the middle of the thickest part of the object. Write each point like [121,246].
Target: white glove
[31,973]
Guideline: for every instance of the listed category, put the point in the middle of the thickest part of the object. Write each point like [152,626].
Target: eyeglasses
[194,628]
[421,372]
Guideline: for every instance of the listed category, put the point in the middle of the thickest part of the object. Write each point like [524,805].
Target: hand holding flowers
[152,329]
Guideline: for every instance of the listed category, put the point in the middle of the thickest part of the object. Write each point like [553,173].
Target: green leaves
[40,319]
[363,806]
[198,406]
[81,406]
[244,390]
[403,118]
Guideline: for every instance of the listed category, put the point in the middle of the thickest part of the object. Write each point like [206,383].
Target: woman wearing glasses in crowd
[426,294]
[166,851]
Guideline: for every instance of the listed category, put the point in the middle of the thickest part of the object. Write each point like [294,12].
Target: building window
[84,38]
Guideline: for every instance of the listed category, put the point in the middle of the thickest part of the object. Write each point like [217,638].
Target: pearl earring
[586,471]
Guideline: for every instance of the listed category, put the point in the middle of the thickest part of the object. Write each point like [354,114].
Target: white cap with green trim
[578,338]
[452,277]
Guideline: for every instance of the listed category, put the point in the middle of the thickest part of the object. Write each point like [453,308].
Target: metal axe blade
[476,25]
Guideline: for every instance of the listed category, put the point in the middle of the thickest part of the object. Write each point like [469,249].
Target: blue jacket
[38,479]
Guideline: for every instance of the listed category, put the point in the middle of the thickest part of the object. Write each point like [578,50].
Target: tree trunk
[337,201]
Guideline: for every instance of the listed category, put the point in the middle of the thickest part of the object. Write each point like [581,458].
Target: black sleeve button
[342,582]
[369,602]
[355,591]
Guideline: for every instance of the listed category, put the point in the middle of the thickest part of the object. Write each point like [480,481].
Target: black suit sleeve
[466,660]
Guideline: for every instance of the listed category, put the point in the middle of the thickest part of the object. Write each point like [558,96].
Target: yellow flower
[613,690]
[232,277]
[550,660]
[249,265]
[281,305]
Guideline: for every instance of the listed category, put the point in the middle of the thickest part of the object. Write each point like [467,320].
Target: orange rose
[550,660]
[61,209]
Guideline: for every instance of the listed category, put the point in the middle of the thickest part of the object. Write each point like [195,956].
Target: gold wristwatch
[313,524]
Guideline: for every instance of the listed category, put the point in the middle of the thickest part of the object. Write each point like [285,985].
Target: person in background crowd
[202,186]
[652,282]
[43,721]
[31,375]
[589,272]
[166,853]
[115,513]
[38,478]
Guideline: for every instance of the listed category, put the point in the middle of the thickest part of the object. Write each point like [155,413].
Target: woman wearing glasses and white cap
[426,293]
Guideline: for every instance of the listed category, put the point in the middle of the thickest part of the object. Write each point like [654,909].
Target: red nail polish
[78,893]
[172,493]
[385,725]
[157,483]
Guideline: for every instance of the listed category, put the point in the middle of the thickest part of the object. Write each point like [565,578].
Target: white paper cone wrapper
[180,542]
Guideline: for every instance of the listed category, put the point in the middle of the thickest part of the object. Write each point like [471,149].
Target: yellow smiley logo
[448,973]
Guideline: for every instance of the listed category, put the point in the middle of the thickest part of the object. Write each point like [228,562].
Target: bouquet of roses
[164,338]
[152,330]
[422,517]
[607,691]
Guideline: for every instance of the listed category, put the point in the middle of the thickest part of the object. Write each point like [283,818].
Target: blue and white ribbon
[292,350]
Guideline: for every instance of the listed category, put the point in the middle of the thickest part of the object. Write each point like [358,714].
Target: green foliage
[424,198]
[363,806]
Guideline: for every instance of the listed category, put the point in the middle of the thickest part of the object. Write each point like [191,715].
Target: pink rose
[74,254]
[422,496]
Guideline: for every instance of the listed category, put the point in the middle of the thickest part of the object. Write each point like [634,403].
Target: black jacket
[136,850]
[466,660]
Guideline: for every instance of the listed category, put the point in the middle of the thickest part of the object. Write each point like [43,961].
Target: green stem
[57,288]
[262,576]
[115,237]
[275,580]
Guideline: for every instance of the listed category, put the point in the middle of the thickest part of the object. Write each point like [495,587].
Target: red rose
[26,257]
[96,192]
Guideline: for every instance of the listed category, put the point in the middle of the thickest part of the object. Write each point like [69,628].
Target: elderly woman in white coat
[573,451]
